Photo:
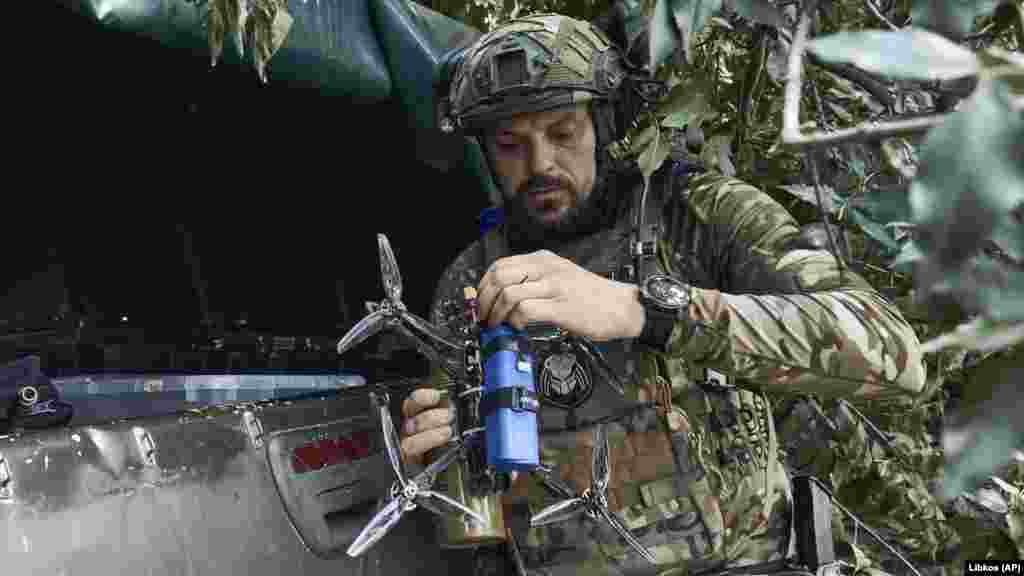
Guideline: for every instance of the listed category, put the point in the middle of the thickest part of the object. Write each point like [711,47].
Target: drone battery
[509,402]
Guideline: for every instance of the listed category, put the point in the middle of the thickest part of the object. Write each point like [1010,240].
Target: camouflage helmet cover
[532,64]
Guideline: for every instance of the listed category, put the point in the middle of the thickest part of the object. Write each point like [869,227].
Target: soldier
[714,299]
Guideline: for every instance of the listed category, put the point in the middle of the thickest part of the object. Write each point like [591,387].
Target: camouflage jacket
[768,313]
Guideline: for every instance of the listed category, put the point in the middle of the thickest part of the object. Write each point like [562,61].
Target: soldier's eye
[506,142]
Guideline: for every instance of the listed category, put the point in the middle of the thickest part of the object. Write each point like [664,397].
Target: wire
[861,524]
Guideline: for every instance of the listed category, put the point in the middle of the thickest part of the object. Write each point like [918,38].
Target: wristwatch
[664,299]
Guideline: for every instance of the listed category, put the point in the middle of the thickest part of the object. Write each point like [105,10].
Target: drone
[460,361]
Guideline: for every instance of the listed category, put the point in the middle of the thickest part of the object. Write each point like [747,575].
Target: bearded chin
[526,233]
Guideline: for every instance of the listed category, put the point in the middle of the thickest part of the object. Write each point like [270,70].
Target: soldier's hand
[543,287]
[426,424]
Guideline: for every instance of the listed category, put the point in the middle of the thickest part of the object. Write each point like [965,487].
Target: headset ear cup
[604,123]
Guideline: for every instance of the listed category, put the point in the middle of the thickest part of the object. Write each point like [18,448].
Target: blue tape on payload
[511,428]
[489,218]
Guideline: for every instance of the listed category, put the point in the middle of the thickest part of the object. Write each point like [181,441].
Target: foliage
[903,133]
[260,25]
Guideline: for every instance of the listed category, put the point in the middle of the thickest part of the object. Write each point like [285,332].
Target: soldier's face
[545,163]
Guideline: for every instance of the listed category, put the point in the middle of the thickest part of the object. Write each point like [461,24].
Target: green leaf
[981,334]
[883,205]
[899,155]
[641,141]
[994,56]
[760,11]
[716,154]
[687,102]
[990,285]
[856,162]
[952,18]
[911,54]
[909,254]
[989,412]
[839,111]
[873,229]
[654,153]
[662,37]
[832,201]
[690,16]
[970,178]
[1010,67]
[634,21]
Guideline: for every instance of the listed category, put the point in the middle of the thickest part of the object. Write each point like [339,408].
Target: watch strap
[658,325]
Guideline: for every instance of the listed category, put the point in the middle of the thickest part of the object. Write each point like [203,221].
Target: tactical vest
[695,475]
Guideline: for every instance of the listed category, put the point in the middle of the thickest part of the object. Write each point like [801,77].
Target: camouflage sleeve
[782,316]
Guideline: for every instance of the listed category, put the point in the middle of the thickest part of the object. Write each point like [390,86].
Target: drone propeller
[389,270]
[392,314]
[406,494]
[593,502]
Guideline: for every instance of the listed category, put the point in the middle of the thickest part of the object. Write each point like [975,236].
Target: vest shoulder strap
[494,245]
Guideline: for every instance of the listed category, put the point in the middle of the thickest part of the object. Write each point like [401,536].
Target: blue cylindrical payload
[509,403]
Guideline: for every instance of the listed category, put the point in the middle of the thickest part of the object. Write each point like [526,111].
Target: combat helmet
[530,64]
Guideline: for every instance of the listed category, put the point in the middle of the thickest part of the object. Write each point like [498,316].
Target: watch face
[667,292]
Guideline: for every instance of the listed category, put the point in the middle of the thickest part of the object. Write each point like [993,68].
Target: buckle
[715,380]
[644,249]
[516,398]
[524,401]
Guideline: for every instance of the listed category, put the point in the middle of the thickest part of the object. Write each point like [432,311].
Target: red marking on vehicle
[330,452]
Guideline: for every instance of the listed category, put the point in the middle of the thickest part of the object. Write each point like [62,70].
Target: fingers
[512,271]
[430,419]
[421,399]
[512,296]
[538,310]
[414,447]
[497,279]
[425,426]
[517,265]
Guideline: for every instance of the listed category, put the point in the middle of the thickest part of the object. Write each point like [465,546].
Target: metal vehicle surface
[278,484]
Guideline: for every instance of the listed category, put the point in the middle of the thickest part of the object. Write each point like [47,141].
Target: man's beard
[526,233]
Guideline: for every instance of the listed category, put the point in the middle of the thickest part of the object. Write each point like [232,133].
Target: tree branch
[857,76]
[878,14]
[791,135]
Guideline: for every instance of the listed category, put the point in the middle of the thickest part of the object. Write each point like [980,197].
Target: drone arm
[621,529]
[554,485]
[600,466]
[598,361]
[431,333]
[440,464]
[443,505]
[449,366]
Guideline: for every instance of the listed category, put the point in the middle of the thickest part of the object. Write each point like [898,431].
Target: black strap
[515,397]
[644,245]
[657,328]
